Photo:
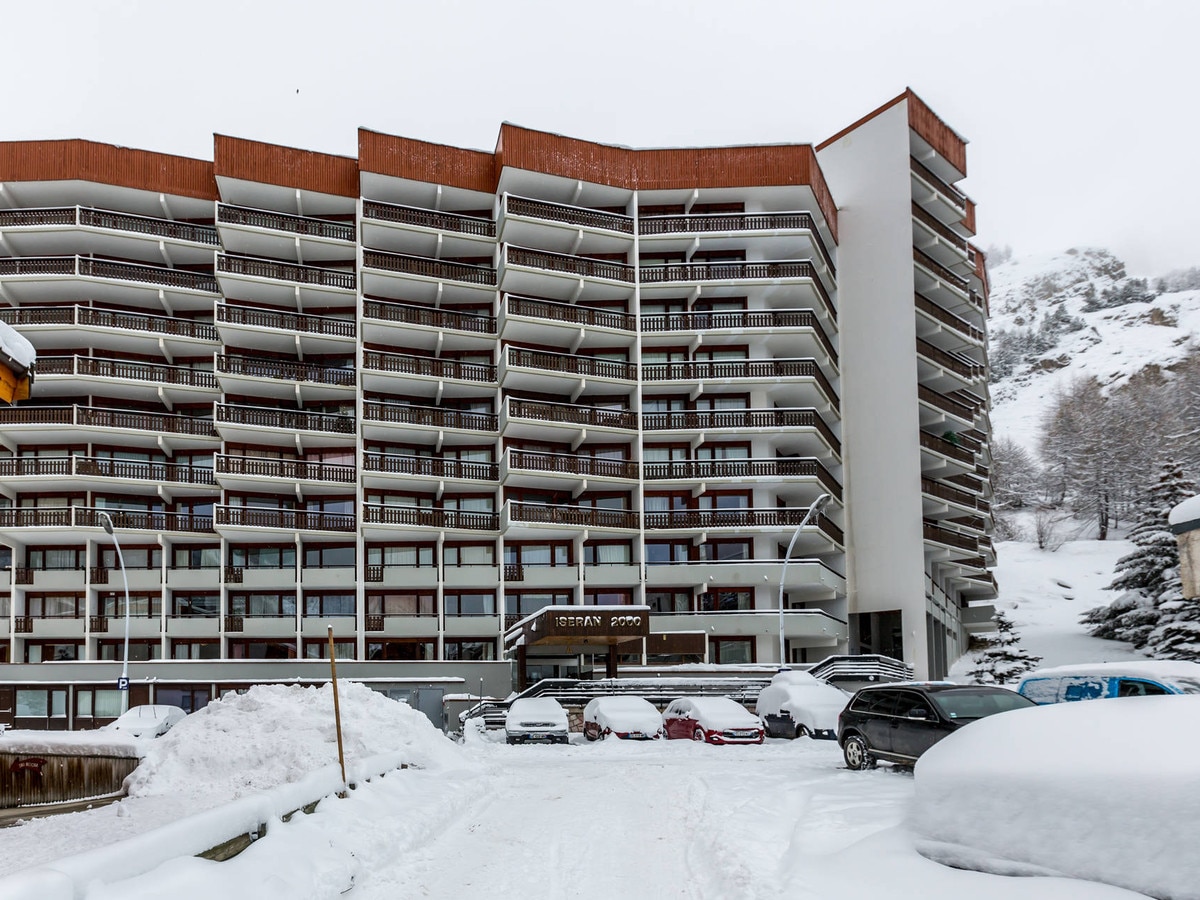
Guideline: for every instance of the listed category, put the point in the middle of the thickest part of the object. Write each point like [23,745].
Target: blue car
[1095,681]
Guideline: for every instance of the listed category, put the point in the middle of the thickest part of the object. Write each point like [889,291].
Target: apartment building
[429,397]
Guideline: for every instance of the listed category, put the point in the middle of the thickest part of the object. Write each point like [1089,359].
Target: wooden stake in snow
[337,712]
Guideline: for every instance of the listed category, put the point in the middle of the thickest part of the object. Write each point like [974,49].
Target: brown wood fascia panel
[968,219]
[936,133]
[401,157]
[554,154]
[289,167]
[81,160]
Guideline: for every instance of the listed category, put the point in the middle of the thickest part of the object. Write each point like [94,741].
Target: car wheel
[802,731]
[589,733]
[698,735]
[857,753]
[511,740]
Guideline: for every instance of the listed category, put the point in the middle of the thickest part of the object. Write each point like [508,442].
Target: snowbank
[15,347]
[1082,789]
[96,743]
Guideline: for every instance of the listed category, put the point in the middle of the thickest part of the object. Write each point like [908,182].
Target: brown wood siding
[968,219]
[981,269]
[385,154]
[936,133]
[75,159]
[31,779]
[553,154]
[273,164]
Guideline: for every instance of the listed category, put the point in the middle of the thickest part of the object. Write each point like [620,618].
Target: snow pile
[276,734]
[1187,511]
[1082,789]
[95,743]
[16,348]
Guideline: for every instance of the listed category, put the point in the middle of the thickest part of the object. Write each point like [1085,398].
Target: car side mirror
[919,712]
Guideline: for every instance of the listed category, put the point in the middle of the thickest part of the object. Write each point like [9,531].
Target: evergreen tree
[1004,661]
[1178,634]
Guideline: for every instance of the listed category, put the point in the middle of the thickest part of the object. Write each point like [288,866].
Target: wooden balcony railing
[946,448]
[575,465]
[98,624]
[428,366]
[428,218]
[569,215]
[571,365]
[960,325]
[125,370]
[952,494]
[22,575]
[708,370]
[116,221]
[570,313]
[960,365]
[431,416]
[938,184]
[88,267]
[235,623]
[944,403]
[258,367]
[426,517]
[107,318]
[428,317]
[253,317]
[98,574]
[276,221]
[433,467]
[718,222]
[736,270]
[286,519]
[708,469]
[99,417]
[105,467]
[287,469]
[442,270]
[740,419]
[514,572]
[739,320]
[137,520]
[583,266]
[373,574]
[938,535]
[572,415]
[941,272]
[252,267]
[374,623]
[582,516]
[739,518]
[284,419]
[955,240]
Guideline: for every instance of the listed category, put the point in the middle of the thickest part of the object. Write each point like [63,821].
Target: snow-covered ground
[668,818]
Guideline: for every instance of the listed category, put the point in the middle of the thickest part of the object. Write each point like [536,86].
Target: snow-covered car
[1093,681]
[1078,789]
[796,704]
[717,720]
[153,720]
[540,719]
[630,718]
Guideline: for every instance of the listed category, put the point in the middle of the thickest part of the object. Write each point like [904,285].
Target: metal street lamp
[123,684]
[817,506]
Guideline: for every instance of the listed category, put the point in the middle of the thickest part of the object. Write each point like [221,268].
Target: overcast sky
[1081,116]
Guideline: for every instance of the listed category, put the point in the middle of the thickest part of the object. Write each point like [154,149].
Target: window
[54,606]
[401,555]
[727,500]
[401,603]
[321,604]
[5,606]
[139,651]
[469,554]
[186,698]
[528,602]
[198,605]
[263,605]
[721,401]
[665,453]
[726,551]
[669,601]
[470,604]
[732,651]
[197,557]
[53,651]
[402,650]
[262,650]
[667,502]
[41,703]
[337,556]
[556,554]
[50,558]
[608,554]
[723,451]
[135,558]
[194,649]
[470,504]
[660,553]
[261,556]
[607,598]
[727,600]
[98,704]
[319,649]
[470,650]
[141,605]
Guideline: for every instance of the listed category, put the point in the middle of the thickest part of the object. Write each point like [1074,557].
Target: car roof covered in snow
[1149,668]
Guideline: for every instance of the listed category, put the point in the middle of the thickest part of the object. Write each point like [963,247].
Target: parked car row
[715,720]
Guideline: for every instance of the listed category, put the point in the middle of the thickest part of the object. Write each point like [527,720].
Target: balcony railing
[284,519]
[738,518]
[428,366]
[98,417]
[568,215]
[944,403]
[89,267]
[429,317]
[432,416]
[962,326]
[428,218]
[582,266]
[572,415]
[718,222]
[116,221]
[571,365]
[23,574]
[946,448]
[105,467]
[943,187]
[288,469]
[88,517]
[738,419]
[583,516]
[737,270]
[960,365]
[738,320]
[107,318]
[709,370]
[252,267]
[276,221]
[708,469]
[569,313]
[442,270]
[955,240]
[258,367]
[938,535]
[252,317]
[590,466]
[284,419]
[425,517]
[941,272]
[433,467]
[125,370]
[952,494]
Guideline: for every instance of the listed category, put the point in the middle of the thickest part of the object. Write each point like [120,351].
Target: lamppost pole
[107,522]
[817,506]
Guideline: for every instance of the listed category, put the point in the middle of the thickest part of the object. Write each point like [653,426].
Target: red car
[717,720]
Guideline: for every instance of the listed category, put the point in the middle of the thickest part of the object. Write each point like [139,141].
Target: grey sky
[1081,115]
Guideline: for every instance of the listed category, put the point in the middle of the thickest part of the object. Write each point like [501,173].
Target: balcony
[536,370]
[124,378]
[562,227]
[265,233]
[60,327]
[403,276]
[249,473]
[101,232]
[75,517]
[277,331]
[774,421]
[941,369]
[394,471]
[740,271]
[413,376]
[800,371]
[61,473]
[424,519]
[933,533]
[704,470]
[537,420]
[378,419]
[937,195]
[795,325]
[938,240]
[61,424]
[280,283]
[424,232]
[266,425]
[407,324]
[263,377]
[937,408]
[941,495]
[547,467]
[935,320]
[58,278]
[945,452]
[935,280]
[281,523]
[561,276]
[745,224]
[567,519]
[770,519]
[545,322]
[809,625]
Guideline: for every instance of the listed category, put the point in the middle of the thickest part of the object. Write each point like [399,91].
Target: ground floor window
[402,650]
[188,699]
[139,651]
[41,703]
[731,651]
[97,703]
[262,650]
[471,649]
[195,649]
[53,651]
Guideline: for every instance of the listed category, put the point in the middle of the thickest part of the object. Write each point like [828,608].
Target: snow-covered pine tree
[1149,576]
[1177,635]
[1005,660]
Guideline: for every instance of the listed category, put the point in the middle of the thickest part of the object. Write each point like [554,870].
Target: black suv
[899,722]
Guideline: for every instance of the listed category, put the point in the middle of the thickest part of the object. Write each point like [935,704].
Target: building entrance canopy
[579,626]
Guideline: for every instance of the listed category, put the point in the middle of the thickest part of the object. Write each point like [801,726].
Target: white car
[148,721]
[625,717]
[532,719]
[796,704]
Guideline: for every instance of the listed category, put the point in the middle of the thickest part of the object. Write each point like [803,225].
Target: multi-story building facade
[422,394]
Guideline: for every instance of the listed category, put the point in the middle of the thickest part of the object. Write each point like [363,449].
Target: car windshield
[1187,685]
[961,705]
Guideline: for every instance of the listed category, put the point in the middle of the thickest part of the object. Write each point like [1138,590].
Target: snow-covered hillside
[1086,335]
